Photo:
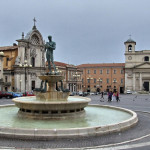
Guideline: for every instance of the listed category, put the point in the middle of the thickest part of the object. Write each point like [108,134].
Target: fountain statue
[51,101]
[50,46]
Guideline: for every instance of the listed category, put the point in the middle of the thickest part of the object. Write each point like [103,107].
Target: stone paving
[140,132]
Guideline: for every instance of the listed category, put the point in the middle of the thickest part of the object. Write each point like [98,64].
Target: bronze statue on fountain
[53,93]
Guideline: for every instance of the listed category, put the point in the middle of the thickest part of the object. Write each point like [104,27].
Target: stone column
[133,81]
[140,82]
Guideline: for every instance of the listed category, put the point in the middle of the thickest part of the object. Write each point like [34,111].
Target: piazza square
[74,75]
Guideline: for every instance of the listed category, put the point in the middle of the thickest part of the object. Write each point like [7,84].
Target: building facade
[10,54]
[72,76]
[30,61]
[137,68]
[23,63]
[1,71]
[103,77]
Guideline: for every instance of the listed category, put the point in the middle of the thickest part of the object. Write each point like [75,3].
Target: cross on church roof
[130,36]
[34,21]
[34,27]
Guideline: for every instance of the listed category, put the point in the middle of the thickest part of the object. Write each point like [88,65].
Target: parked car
[80,93]
[2,94]
[28,94]
[6,94]
[92,93]
[129,92]
[72,94]
[85,94]
[17,94]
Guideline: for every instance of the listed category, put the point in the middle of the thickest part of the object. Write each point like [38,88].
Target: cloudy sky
[85,31]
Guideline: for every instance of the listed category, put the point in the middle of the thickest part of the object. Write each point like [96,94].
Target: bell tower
[130,45]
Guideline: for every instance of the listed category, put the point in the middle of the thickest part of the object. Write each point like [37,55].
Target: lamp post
[114,81]
[76,75]
[25,66]
[90,78]
[20,84]
[57,71]
[100,81]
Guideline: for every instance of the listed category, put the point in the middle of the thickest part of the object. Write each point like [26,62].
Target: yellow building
[10,54]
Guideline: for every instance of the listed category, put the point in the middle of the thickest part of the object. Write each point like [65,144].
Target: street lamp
[114,81]
[89,79]
[57,71]
[20,85]
[76,75]
[100,81]
[25,65]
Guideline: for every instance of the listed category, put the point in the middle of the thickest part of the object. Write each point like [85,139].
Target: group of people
[112,96]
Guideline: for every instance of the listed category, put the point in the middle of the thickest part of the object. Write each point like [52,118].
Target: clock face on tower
[130,57]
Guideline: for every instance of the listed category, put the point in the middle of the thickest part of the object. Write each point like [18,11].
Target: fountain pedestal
[52,94]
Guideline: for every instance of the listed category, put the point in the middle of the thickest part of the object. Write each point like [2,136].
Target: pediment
[144,65]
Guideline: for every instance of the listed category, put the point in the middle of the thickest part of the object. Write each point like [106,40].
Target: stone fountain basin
[46,134]
[30,107]
[33,104]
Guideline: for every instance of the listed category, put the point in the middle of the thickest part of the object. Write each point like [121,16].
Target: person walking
[109,96]
[113,96]
[117,97]
[102,95]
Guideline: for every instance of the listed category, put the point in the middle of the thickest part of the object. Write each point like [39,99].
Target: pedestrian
[102,95]
[110,96]
[113,96]
[117,97]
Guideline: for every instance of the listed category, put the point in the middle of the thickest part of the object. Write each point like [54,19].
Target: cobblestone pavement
[130,139]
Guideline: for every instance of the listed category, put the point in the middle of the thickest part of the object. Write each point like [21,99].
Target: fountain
[53,114]
[50,103]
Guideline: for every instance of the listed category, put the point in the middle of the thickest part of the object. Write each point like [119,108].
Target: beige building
[137,68]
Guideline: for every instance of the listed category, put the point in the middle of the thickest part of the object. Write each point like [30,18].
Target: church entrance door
[146,86]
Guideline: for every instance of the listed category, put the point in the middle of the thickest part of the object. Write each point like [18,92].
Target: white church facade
[30,62]
[137,68]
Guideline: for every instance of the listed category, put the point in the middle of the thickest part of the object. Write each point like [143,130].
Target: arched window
[33,62]
[130,48]
[35,40]
[146,58]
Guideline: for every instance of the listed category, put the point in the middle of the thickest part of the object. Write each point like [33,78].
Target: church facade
[30,62]
[137,68]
